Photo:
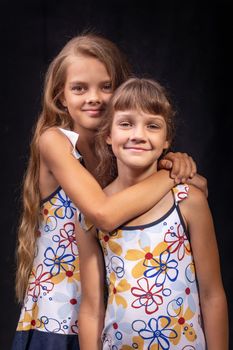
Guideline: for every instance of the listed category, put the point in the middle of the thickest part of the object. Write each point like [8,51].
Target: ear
[63,100]
[109,140]
[166,145]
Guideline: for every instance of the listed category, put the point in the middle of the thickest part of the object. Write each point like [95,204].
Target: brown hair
[54,114]
[146,95]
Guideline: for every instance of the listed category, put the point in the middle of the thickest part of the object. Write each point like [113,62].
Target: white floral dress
[153,300]
[50,310]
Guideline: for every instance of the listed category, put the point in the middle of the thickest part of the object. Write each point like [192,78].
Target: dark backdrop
[183,44]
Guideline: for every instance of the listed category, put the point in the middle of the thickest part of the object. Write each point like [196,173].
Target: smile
[137,149]
[93,112]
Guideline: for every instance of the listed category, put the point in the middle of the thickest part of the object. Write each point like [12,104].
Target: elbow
[216,297]
[104,220]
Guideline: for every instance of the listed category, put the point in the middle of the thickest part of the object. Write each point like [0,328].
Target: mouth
[93,112]
[137,149]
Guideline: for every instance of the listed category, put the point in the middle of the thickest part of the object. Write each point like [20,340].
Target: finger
[171,156]
[165,164]
[193,167]
[175,168]
[182,174]
[187,168]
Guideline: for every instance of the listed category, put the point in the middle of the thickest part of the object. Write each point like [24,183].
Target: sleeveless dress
[153,300]
[49,314]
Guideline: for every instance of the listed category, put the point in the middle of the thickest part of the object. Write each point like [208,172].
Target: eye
[125,124]
[107,87]
[153,126]
[79,89]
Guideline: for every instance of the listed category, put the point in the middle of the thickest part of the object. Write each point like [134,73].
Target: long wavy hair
[54,114]
[146,95]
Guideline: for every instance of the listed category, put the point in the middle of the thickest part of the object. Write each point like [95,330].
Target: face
[87,90]
[138,139]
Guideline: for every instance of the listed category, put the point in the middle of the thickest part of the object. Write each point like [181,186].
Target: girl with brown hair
[60,182]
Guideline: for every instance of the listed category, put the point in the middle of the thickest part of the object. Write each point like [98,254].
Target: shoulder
[49,135]
[54,146]
[195,204]
[196,196]
[51,138]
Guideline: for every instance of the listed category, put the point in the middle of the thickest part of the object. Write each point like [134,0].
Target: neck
[86,146]
[87,136]
[128,177]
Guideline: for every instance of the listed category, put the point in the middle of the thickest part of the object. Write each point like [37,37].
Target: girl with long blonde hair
[60,182]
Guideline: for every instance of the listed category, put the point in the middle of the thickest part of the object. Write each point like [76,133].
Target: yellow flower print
[107,241]
[181,325]
[115,289]
[144,257]
[137,343]
[29,319]
[70,275]
[47,210]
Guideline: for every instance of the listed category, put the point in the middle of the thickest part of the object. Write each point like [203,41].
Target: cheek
[115,141]
[118,137]
[73,102]
[106,98]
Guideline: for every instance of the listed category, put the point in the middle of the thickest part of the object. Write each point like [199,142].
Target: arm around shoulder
[105,212]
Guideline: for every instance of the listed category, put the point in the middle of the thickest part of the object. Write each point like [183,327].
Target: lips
[93,112]
[137,149]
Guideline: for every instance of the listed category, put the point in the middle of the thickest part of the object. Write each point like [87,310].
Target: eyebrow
[84,82]
[123,114]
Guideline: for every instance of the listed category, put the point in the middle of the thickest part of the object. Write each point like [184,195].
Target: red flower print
[147,296]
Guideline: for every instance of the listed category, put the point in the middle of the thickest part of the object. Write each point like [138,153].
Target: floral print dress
[153,300]
[49,314]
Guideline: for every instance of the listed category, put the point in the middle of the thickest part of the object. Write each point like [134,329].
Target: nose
[93,97]
[138,134]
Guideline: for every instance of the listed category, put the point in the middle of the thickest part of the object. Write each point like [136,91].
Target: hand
[199,182]
[182,166]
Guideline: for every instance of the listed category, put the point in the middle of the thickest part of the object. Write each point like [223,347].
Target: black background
[183,44]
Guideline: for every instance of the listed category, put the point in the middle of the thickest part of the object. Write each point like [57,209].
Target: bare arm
[105,212]
[206,257]
[92,311]
[200,182]
[183,169]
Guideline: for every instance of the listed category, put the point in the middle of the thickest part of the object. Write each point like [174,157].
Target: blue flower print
[64,206]
[162,268]
[157,332]
[117,327]
[58,259]
[116,264]
[186,290]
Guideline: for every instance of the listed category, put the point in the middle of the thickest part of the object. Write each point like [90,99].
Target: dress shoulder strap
[73,138]
[180,192]
[85,224]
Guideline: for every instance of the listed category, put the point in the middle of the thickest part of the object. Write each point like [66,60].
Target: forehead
[85,68]
[137,114]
